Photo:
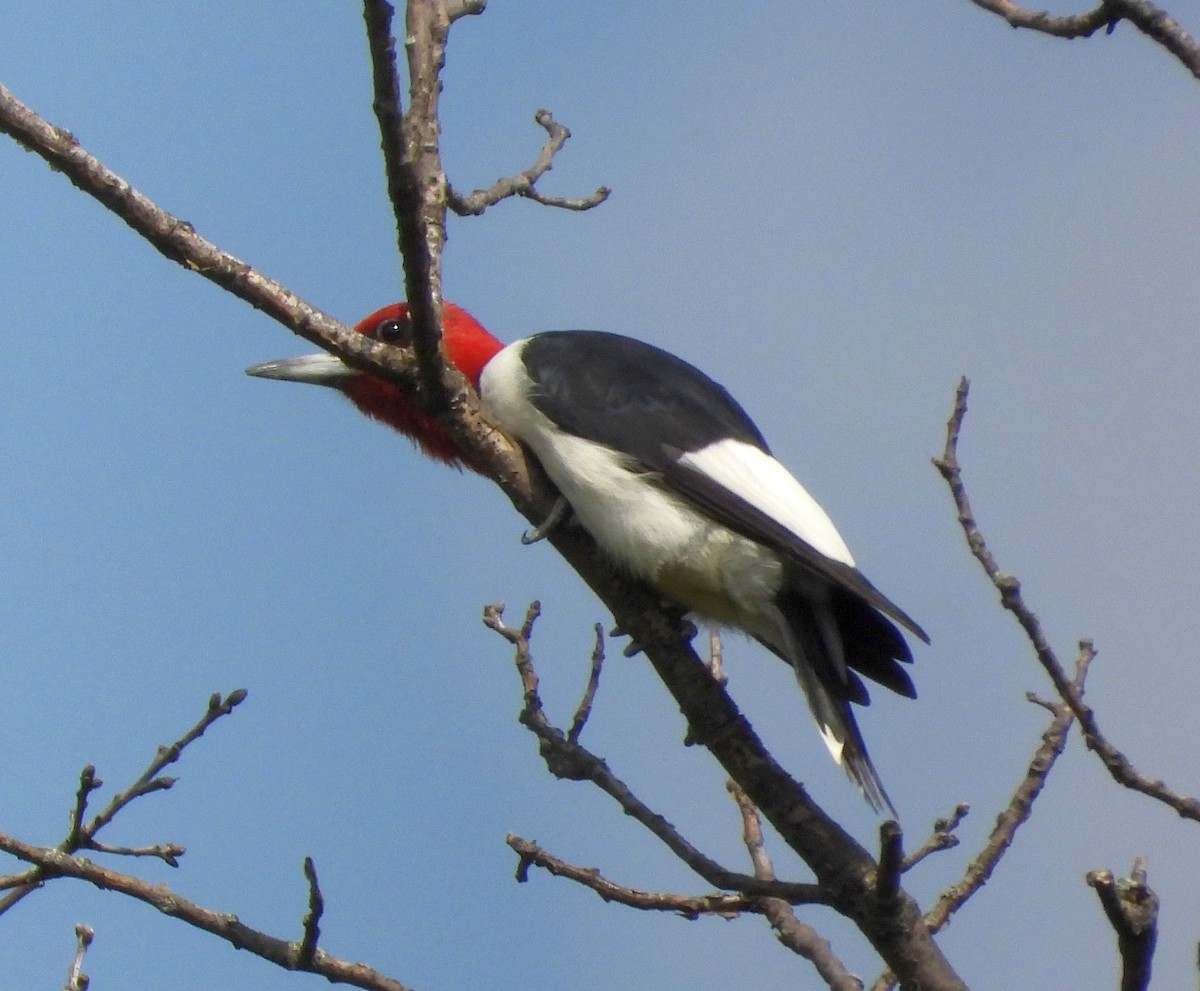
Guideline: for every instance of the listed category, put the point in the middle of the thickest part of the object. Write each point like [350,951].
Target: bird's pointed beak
[320,368]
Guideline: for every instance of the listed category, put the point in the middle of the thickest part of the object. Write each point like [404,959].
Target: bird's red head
[468,346]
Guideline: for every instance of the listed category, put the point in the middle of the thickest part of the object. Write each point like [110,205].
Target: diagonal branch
[177,240]
[56,863]
[1150,19]
[1018,810]
[1065,26]
[1118,765]
[689,906]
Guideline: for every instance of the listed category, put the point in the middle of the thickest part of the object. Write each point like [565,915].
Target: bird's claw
[558,512]
[687,630]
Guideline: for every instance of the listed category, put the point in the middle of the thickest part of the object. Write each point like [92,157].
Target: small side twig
[464,8]
[1019,808]
[77,980]
[572,761]
[589,693]
[168,853]
[1118,765]
[891,861]
[311,923]
[224,925]
[942,837]
[688,906]
[149,780]
[524,183]
[1132,910]
[797,936]
[82,836]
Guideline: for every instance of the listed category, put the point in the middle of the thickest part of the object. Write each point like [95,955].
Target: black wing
[657,408]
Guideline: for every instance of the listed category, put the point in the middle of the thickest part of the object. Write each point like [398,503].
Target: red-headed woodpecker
[676,484]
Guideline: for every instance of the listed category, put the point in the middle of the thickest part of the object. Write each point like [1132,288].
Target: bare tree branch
[416,183]
[570,760]
[312,920]
[53,863]
[797,936]
[523,183]
[1119,766]
[689,906]
[589,693]
[83,837]
[1018,810]
[1132,909]
[942,837]
[1151,20]
[77,980]
[1068,26]
[178,241]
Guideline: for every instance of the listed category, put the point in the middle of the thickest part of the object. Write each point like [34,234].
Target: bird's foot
[558,512]
[687,630]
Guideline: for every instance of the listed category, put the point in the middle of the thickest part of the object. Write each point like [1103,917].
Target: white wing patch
[767,485]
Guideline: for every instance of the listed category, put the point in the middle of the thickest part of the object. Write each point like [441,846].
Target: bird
[678,488]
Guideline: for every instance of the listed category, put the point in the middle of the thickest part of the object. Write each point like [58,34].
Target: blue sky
[836,211]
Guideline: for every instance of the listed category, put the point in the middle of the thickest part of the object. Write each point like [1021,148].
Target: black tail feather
[822,670]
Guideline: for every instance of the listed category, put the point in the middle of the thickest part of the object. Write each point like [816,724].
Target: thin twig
[77,980]
[524,183]
[311,923]
[1018,810]
[942,837]
[149,781]
[83,837]
[1118,765]
[56,863]
[574,762]
[168,853]
[589,693]
[688,906]
[797,936]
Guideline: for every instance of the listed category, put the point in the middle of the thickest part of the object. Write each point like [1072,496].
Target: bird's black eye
[393,331]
